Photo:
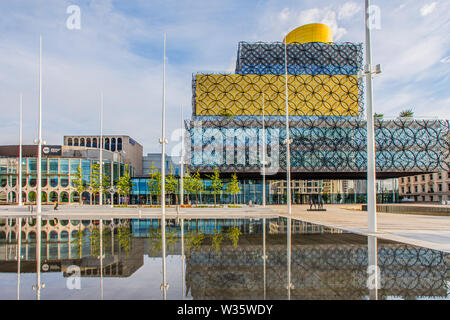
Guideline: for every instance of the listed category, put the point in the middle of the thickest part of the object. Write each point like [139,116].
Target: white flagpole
[39,141]
[101,150]
[371,165]
[39,186]
[163,142]
[19,183]
[288,140]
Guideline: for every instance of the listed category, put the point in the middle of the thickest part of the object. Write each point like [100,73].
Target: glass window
[113,144]
[44,165]
[94,143]
[54,181]
[3,166]
[44,179]
[119,144]
[86,167]
[32,165]
[53,165]
[64,181]
[32,181]
[3,181]
[64,166]
[74,164]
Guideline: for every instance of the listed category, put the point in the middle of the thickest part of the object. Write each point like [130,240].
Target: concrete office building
[430,187]
[127,148]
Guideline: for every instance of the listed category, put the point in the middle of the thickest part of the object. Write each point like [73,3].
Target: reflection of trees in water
[95,242]
[78,240]
[216,239]
[193,240]
[124,236]
[233,234]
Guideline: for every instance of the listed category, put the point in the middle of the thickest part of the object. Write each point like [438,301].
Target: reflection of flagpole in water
[264,154]
[38,285]
[19,254]
[372,270]
[183,258]
[289,284]
[264,255]
[101,258]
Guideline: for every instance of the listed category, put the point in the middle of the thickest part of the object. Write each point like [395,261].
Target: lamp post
[371,165]
[288,141]
[19,183]
[163,141]
[39,140]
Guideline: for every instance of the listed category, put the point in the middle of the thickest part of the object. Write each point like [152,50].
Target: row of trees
[100,182]
[408,113]
[192,184]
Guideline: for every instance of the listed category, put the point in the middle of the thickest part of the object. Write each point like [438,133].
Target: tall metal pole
[373,274]
[19,183]
[163,142]
[39,183]
[101,150]
[182,160]
[264,256]
[39,141]
[289,236]
[183,260]
[19,254]
[288,140]
[101,258]
[371,191]
[264,153]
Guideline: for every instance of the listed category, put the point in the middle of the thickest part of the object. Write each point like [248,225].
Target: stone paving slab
[427,231]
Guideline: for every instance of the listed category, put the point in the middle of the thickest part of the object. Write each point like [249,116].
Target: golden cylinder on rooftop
[313,32]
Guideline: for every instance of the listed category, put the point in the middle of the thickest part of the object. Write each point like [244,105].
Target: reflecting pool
[260,258]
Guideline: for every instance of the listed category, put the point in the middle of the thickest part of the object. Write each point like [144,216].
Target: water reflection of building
[62,246]
[322,268]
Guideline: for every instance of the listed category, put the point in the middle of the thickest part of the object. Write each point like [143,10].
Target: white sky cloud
[119,50]
[348,10]
[428,8]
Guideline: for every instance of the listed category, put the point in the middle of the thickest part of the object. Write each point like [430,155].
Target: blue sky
[118,50]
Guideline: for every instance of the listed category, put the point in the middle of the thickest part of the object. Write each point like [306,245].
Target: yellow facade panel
[236,94]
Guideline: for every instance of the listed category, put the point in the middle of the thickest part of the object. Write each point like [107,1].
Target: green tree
[106,184]
[188,182]
[96,182]
[172,184]
[124,185]
[154,184]
[378,115]
[216,183]
[197,185]
[79,183]
[233,187]
[408,113]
